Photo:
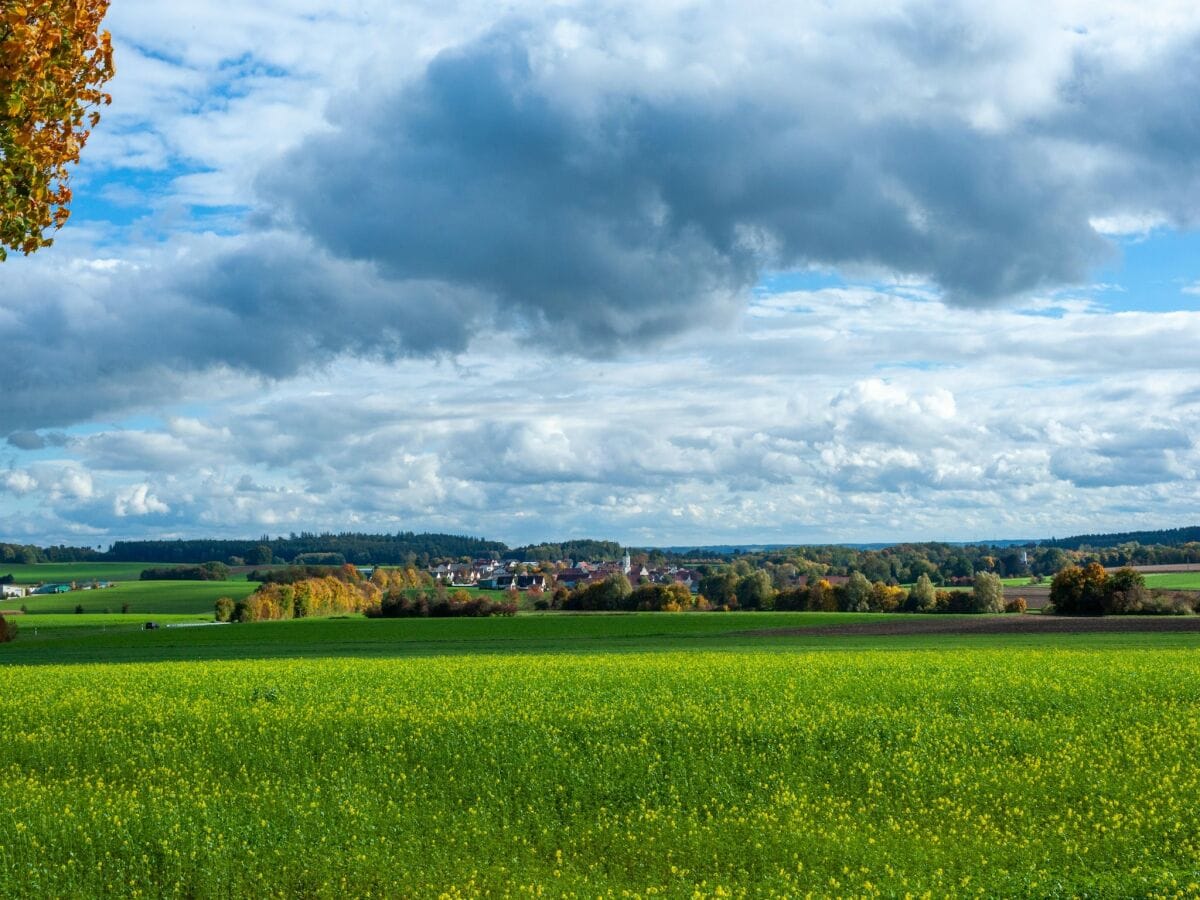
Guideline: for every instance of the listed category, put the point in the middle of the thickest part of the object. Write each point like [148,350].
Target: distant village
[502,575]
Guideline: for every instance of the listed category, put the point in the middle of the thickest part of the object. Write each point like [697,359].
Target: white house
[11,590]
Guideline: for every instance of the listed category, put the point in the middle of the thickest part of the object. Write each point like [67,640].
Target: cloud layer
[516,276]
[819,419]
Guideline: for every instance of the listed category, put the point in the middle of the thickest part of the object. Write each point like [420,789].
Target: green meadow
[44,573]
[143,597]
[1174,581]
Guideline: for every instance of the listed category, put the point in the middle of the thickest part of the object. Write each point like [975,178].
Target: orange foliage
[53,64]
[326,596]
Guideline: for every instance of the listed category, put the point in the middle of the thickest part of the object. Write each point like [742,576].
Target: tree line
[731,590]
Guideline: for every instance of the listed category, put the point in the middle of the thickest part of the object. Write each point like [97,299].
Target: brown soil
[1167,567]
[1010,624]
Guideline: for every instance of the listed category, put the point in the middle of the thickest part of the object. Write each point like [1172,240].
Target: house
[571,577]
[636,573]
[508,582]
[12,590]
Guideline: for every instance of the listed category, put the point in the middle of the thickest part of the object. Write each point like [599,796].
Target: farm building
[52,589]
[11,590]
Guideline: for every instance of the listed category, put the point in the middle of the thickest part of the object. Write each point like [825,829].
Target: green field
[143,597]
[79,572]
[635,754]
[1174,581]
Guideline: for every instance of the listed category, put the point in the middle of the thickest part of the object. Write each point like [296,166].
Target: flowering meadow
[996,772]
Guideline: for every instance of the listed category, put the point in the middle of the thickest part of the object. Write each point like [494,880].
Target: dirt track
[1011,624]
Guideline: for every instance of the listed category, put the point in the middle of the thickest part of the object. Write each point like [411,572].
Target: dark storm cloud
[27,440]
[633,209]
[473,177]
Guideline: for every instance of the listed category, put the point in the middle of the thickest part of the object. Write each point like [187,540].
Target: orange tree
[54,63]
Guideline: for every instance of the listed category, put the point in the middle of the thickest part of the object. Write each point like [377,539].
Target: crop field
[1055,770]
[79,572]
[1174,581]
[144,598]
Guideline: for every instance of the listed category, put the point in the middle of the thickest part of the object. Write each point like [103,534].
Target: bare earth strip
[1011,624]
[1168,567]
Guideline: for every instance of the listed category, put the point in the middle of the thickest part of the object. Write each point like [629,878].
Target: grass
[990,770]
[144,598]
[1174,581]
[78,572]
[82,573]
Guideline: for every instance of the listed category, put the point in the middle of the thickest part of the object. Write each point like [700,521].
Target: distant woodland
[943,563]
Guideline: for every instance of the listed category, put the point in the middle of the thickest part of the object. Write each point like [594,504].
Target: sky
[664,273]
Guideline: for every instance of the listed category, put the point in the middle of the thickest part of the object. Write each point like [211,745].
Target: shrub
[225,607]
[886,598]
[559,598]
[541,604]
[125,607]
[1016,606]
[78,609]
[792,599]
[948,601]
[607,595]
[8,630]
[660,598]
[209,571]
[397,604]
[1167,605]
[1126,592]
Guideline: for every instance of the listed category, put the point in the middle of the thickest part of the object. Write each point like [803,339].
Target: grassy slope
[144,598]
[79,572]
[85,572]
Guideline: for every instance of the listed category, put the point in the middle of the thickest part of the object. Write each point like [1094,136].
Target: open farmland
[582,754]
[144,597]
[1173,581]
[43,573]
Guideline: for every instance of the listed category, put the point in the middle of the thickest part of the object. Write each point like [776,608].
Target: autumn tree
[54,62]
[923,597]
[988,593]
[1080,592]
